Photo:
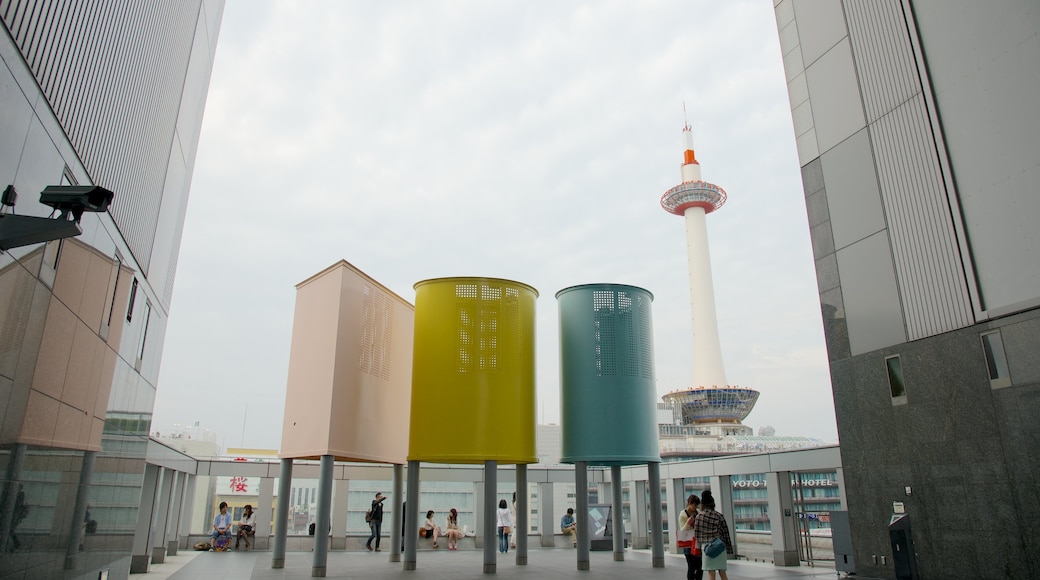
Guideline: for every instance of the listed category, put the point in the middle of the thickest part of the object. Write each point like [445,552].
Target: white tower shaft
[708,370]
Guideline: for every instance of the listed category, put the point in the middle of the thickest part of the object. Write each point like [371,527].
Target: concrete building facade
[110,95]
[919,144]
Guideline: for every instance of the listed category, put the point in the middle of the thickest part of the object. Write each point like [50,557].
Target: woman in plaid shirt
[709,525]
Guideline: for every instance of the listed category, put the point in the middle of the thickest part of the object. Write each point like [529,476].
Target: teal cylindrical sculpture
[608,403]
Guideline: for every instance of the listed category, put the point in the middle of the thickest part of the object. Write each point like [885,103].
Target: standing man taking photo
[375,521]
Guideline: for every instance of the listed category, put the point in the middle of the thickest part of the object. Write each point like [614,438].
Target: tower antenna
[686,122]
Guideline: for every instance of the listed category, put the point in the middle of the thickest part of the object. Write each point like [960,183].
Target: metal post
[656,532]
[676,489]
[395,514]
[411,516]
[547,522]
[619,513]
[322,523]
[490,527]
[79,510]
[281,513]
[521,515]
[581,497]
[640,540]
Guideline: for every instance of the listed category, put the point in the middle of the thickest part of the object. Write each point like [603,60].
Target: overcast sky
[527,140]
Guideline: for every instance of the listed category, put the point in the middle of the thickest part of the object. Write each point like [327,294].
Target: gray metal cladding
[113,73]
[929,266]
[883,54]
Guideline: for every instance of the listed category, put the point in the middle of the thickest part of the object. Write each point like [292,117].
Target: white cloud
[523,140]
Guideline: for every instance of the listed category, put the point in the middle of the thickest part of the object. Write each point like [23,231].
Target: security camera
[70,200]
[76,199]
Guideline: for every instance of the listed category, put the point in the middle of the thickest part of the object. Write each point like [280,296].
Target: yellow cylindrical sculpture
[473,387]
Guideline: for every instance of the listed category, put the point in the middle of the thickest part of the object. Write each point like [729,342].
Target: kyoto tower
[711,400]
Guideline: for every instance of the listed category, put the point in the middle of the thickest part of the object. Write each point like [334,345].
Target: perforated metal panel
[607,392]
[377,323]
[473,371]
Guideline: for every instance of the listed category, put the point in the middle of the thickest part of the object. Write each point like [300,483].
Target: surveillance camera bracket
[21,230]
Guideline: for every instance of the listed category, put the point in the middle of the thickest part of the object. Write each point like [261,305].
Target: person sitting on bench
[245,526]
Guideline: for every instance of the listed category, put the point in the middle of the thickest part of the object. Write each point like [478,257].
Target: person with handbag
[687,541]
[505,525]
[712,535]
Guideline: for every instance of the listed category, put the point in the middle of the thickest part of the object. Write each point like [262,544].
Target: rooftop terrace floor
[543,564]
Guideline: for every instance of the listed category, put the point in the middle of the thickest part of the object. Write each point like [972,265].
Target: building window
[133,298]
[895,379]
[996,360]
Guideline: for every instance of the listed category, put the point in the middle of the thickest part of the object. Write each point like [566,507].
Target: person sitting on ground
[453,531]
[245,526]
[430,529]
[221,526]
[569,527]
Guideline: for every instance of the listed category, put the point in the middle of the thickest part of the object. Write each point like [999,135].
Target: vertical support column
[581,512]
[322,523]
[411,516]
[139,555]
[781,519]
[490,521]
[264,514]
[676,503]
[547,522]
[281,513]
[640,539]
[10,495]
[619,513]
[173,521]
[656,530]
[162,515]
[340,492]
[722,489]
[840,480]
[396,525]
[478,515]
[158,508]
[522,527]
[187,508]
[79,510]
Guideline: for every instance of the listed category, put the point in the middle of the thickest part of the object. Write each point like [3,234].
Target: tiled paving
[543,564]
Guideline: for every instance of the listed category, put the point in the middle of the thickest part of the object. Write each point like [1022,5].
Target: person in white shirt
[505,525]
[245,526]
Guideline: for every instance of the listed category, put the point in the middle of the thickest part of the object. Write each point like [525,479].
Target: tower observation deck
[711,399]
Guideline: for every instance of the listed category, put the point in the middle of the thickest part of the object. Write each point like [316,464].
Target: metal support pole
[322,524]
[281,513]
[619,513]
[490,522]
[522,526]
[77,527]
[546,515]
[581,497]
[411,516]
[396,497]
[656,531]
[640,540]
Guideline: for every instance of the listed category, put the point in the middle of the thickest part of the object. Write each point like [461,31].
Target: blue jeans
[377,530]
[503,540]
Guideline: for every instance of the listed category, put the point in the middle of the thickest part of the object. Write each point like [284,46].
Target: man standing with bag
[375,521]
